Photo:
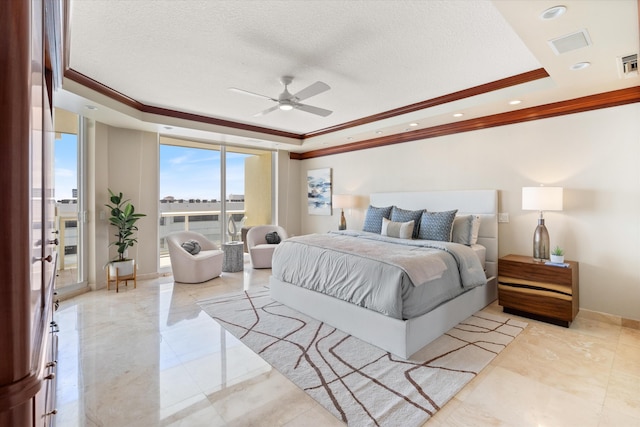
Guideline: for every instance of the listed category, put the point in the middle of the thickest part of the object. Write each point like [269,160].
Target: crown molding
[102,89]
[527,77]
[578,105]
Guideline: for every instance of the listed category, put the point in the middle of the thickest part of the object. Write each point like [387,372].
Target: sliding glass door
[213,190]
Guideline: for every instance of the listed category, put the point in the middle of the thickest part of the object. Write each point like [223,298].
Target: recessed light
[167,127]
[553,12]
[414,124]
[349,138]
[515,102]
[579,66]
[91,107]
[458,115]
[379,132]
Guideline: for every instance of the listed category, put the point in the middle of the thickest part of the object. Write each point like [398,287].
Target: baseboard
[609,318]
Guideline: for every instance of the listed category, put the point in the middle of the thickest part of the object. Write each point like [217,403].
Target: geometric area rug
[357,382]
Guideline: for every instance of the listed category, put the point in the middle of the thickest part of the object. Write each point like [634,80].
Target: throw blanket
[396,277]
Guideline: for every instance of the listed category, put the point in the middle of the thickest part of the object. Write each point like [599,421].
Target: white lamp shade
[542,198]
[343,201]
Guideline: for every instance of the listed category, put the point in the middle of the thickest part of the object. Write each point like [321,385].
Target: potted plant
[124,218]
[557,255]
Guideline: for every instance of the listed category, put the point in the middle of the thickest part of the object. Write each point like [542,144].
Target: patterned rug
[357,382]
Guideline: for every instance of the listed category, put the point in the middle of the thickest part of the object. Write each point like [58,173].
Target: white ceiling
[376,55]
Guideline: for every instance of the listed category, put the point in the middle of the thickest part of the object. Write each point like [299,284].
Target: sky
[66,166]
[185,173]
[194,173]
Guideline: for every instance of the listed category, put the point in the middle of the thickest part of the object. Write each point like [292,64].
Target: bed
[401,333]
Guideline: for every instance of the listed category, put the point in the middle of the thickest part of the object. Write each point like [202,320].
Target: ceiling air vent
[629,65]
[570,42]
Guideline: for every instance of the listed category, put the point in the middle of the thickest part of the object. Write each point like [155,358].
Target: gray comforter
[396,277]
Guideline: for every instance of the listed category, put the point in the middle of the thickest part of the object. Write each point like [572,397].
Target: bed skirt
[399,337]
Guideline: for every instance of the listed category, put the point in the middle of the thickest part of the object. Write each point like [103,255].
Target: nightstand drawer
[536,301]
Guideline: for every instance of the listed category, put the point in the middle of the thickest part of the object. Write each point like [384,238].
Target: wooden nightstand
[532,289]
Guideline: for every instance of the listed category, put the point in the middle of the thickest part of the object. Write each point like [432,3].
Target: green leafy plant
[558,251]
[124,218]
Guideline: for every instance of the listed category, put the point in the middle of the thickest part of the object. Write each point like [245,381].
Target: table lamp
[342,202]
[541,199]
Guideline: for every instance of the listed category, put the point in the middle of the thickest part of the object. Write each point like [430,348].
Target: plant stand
[118,278]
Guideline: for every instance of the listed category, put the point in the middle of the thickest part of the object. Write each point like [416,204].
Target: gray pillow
[436,225]
[191,246]
[465,229]
[373,218]
[403,215]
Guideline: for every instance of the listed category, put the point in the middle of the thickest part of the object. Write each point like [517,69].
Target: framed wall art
[319,191]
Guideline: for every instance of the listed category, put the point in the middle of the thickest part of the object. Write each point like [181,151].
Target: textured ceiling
[375,55]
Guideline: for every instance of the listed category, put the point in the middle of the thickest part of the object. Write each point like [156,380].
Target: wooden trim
[88,82]
[80,78]
[529,76]
[19,392]
[578,105]
[126,100]
[16,129]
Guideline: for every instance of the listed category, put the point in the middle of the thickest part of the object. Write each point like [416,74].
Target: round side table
[233,259]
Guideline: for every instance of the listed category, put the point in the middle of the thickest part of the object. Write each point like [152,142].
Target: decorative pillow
[191,246]
[403,230]
[436,225]
[373,218]
[402,215]
[465,229]
[272,238]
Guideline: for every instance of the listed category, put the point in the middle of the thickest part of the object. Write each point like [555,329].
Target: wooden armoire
[30,66]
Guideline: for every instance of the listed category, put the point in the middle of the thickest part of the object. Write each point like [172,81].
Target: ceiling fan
[286,101]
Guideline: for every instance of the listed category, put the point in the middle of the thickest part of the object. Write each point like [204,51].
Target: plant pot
[559,259]
[124,268]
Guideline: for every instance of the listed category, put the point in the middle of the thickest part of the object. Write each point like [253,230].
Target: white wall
[288,194]
[595,156]
[125,161]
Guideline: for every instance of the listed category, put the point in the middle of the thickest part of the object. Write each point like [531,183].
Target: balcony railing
[206,222]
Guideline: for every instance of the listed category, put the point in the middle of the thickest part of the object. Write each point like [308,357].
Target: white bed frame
[405,337]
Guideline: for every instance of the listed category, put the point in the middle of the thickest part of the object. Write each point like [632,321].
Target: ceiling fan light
[285,107]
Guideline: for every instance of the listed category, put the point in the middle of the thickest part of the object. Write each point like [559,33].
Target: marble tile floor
[150,357]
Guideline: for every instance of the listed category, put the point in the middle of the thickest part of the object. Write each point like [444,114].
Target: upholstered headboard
[483,203]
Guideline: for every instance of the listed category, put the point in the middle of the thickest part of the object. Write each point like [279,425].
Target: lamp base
[541,242]
[343,222]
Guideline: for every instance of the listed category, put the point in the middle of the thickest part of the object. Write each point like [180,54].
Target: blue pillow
[437,225]
[403,215]
[373,218]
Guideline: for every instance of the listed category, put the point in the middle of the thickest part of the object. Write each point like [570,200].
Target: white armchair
[260,251]
[187,268]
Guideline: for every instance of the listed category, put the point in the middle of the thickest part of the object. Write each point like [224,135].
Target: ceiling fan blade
[246,92]
[314,89]
[313,110]
[267,111]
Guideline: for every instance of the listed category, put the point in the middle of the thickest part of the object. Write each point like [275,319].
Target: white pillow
[465,229]
[403,230]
